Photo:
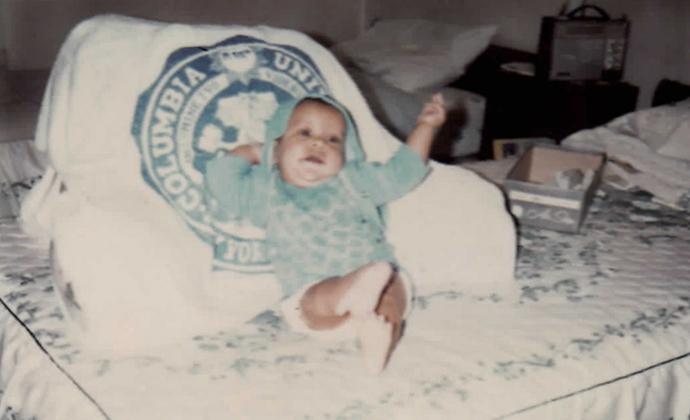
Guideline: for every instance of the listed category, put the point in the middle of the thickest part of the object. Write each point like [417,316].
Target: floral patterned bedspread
[597,326]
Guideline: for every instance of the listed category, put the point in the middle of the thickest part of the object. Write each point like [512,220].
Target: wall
[685,48]
[659,39]
[35,29]
[659,42]
[3,50]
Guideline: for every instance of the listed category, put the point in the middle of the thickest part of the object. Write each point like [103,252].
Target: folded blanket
[134,108]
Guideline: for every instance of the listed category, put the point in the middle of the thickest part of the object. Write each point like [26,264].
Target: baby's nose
[317,141]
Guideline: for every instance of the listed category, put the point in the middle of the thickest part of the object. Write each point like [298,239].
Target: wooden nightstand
[526,106]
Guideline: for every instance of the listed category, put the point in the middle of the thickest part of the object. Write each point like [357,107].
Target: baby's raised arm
[432,117]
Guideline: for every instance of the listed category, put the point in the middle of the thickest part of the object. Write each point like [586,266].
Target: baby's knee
[309,304]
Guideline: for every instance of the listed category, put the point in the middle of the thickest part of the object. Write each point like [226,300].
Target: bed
[598,328]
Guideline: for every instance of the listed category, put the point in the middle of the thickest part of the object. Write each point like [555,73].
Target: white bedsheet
[20,167]
[600,329]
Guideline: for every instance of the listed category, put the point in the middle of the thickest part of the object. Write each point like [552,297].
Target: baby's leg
[330,302]
[372,298]
[366,288]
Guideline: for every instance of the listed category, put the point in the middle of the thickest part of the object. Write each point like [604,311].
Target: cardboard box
[504,148]
[534,197]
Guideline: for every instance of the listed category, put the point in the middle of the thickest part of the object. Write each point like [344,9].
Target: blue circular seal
[212,98]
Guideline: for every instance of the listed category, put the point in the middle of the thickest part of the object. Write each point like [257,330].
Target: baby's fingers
[437,98]
[429,109]
[435,105]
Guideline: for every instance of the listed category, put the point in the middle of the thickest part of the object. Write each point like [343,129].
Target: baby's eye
[335,140]
[305,132]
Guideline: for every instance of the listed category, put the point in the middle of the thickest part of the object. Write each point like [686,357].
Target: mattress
[598,328]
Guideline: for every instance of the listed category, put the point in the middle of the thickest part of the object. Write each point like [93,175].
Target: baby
[318,199]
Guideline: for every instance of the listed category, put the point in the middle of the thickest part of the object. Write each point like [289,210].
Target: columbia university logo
[211,98]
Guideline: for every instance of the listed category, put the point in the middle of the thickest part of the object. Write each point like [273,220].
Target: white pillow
[665,129]
[678,144]
[416,54]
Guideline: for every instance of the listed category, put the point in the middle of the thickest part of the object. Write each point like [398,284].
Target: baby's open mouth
[314,159]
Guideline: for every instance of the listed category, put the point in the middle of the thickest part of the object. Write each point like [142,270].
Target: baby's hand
[433,113]
[251,152]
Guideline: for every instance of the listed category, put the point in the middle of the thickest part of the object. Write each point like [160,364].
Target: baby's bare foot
[365,291]
[375,336]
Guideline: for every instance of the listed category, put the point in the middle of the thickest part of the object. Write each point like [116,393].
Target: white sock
[375,336]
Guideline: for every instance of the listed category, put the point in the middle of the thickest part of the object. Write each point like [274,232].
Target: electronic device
[580,47]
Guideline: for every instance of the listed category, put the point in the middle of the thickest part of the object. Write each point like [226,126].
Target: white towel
[134,274]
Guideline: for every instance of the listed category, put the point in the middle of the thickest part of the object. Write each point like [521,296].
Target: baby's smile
[314,159]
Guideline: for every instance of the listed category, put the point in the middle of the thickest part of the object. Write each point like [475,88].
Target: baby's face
[311,150]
